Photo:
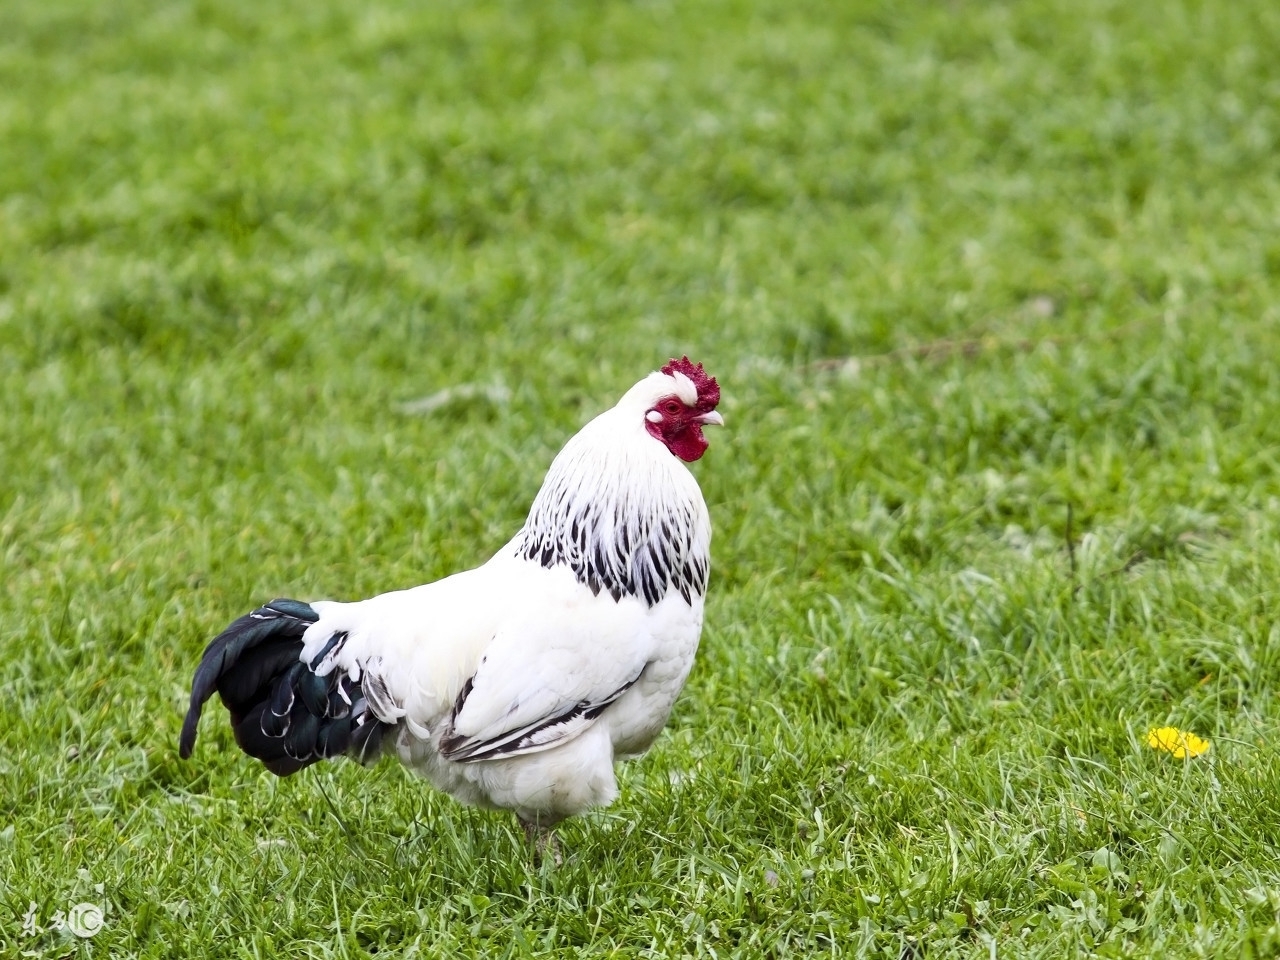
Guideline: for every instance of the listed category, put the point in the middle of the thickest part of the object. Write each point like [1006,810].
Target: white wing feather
[543,678]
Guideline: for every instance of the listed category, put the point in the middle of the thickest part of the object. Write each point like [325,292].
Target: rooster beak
[711,419]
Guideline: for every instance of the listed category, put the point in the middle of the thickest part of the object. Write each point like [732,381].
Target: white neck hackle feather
[619,509]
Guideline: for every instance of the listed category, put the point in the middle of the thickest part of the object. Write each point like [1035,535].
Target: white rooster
[516,684]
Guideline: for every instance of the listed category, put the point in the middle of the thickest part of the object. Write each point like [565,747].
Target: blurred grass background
[956,577]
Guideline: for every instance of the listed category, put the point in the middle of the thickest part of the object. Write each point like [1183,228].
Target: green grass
[954,583]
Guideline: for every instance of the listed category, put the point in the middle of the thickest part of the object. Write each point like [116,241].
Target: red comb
[708,389]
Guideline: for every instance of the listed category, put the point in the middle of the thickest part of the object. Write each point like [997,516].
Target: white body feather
[564,651]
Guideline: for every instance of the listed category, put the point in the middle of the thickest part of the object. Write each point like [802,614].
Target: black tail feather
[281,712]
[255,674]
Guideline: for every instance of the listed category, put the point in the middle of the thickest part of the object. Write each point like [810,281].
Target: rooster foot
[544,840]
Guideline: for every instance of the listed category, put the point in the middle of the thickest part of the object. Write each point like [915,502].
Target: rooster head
[682,401]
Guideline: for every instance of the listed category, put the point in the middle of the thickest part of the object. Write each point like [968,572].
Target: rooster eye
[672,407]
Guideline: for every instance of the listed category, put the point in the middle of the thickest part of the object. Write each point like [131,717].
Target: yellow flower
[1181,743]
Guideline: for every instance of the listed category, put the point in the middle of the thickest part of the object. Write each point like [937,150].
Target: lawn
[992,291]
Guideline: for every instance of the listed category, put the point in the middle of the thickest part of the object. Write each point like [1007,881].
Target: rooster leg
[543,840]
